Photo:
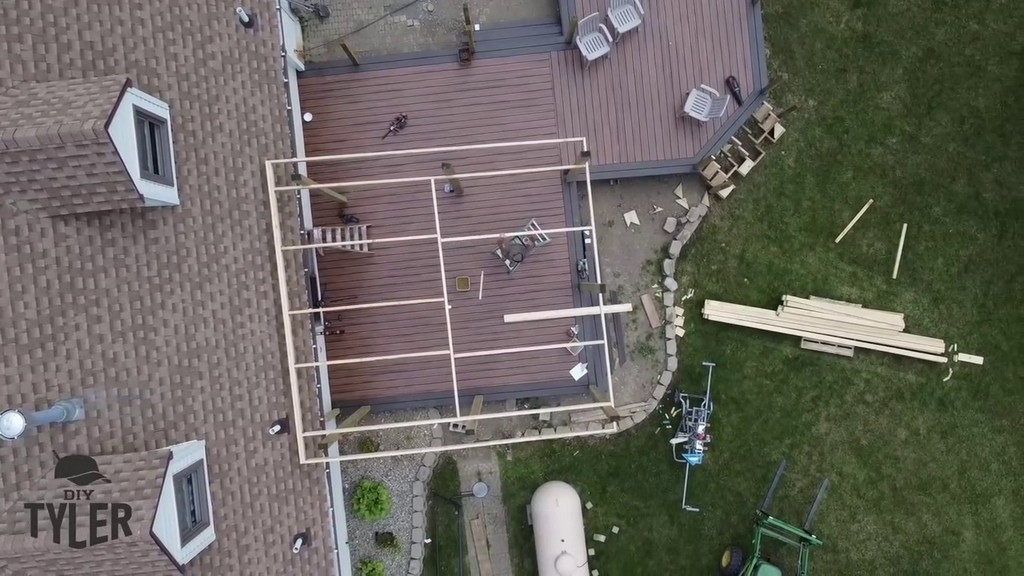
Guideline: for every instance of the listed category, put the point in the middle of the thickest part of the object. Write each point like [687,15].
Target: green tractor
[767,526]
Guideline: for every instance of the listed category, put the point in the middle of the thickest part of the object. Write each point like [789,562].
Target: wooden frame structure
[289,314]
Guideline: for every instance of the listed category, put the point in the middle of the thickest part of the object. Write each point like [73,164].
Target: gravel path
[398,474]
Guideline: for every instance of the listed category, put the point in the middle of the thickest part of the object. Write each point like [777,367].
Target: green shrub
[371,568]
[368,445]
[371,501]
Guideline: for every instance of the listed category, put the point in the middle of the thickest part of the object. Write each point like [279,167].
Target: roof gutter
[332,470]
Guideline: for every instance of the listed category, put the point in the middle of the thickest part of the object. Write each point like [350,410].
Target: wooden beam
[469,27]
[806,303]
[354,419]
[651,310]
[351,55]
[475,410]
[455,183]
[312,185]
[924,344]
[600,396]
[836,349]
[969,358]
[828,339]
[568,313]
[899,252]
[796,313]
[831,301]
[855,218]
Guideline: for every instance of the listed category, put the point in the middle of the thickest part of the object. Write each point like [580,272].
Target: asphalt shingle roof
[164,320]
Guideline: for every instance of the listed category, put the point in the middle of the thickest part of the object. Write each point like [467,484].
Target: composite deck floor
[443,106]
[626,104]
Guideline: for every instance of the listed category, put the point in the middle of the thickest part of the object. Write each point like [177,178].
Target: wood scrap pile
[743,151]
[832,326]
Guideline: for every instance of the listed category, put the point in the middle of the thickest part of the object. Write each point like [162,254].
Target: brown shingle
[163,319]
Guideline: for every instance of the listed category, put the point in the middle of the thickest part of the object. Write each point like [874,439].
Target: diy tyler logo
[107,521]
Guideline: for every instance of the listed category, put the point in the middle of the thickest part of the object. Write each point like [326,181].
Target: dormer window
[154,145]
[192,501]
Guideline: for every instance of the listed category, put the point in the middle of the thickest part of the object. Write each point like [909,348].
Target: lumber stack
[842,325]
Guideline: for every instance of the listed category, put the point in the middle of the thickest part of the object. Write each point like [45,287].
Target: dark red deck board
[493,100]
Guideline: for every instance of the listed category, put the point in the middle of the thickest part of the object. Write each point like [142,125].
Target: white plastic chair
[625,15]
[592,38]
[705,103]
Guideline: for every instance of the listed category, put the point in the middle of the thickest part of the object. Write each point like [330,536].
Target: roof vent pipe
[13,423]
[245,18]
[279,426]
[299,541]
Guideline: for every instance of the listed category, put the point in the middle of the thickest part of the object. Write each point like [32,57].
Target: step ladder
[533,227]
[357,233]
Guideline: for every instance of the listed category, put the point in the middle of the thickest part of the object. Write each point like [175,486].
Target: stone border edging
[419,498]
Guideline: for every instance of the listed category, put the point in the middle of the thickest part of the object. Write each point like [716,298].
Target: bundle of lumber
[832,326]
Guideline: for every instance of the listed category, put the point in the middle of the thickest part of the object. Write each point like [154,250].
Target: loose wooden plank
[828,339]
[831,301]
[568,313]
[909,341]
[651,310]
[817,346]
[483,552]
[969,358]
[797,312]
[854,221]
[865,312]
[899,252]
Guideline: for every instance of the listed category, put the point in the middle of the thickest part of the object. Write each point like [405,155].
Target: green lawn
[443,525]
[912,103]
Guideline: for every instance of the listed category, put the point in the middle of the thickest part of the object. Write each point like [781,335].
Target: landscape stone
[433,414]
[670,224]
[417,552]
[532,432]
[668,266]
[429,458]
[670,331]
[675,248]
[670,313]
[562,430]
[670,347]
[415,567]
[592,426]
[547,431]
[666,378]
[684,235]
[693,214]
[626,424]
[692,226]
[671,284]
[423,474]
[417,488]
[417,534]
[702,209]
[659,391]
[669,298]
[417,503]
[672,363]
[418,519]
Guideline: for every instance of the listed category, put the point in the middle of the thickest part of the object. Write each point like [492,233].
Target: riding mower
[734,563]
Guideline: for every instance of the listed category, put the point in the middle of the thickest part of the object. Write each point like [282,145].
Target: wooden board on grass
[651,310]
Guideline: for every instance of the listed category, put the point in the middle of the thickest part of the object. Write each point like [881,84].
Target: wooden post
[570,34]
[300,179]
[350,54]
[455,183]
[355,418]
[609,411]
[469,28]
[583,158]
[478,407]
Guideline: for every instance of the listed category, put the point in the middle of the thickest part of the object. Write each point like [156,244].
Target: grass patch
[441,556]
[911,103]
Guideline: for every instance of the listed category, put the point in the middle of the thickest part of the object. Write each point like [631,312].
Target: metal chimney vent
[13,423]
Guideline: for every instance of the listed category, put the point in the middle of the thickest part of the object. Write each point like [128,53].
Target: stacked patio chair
[592,38]
[625,15]
[705,103]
